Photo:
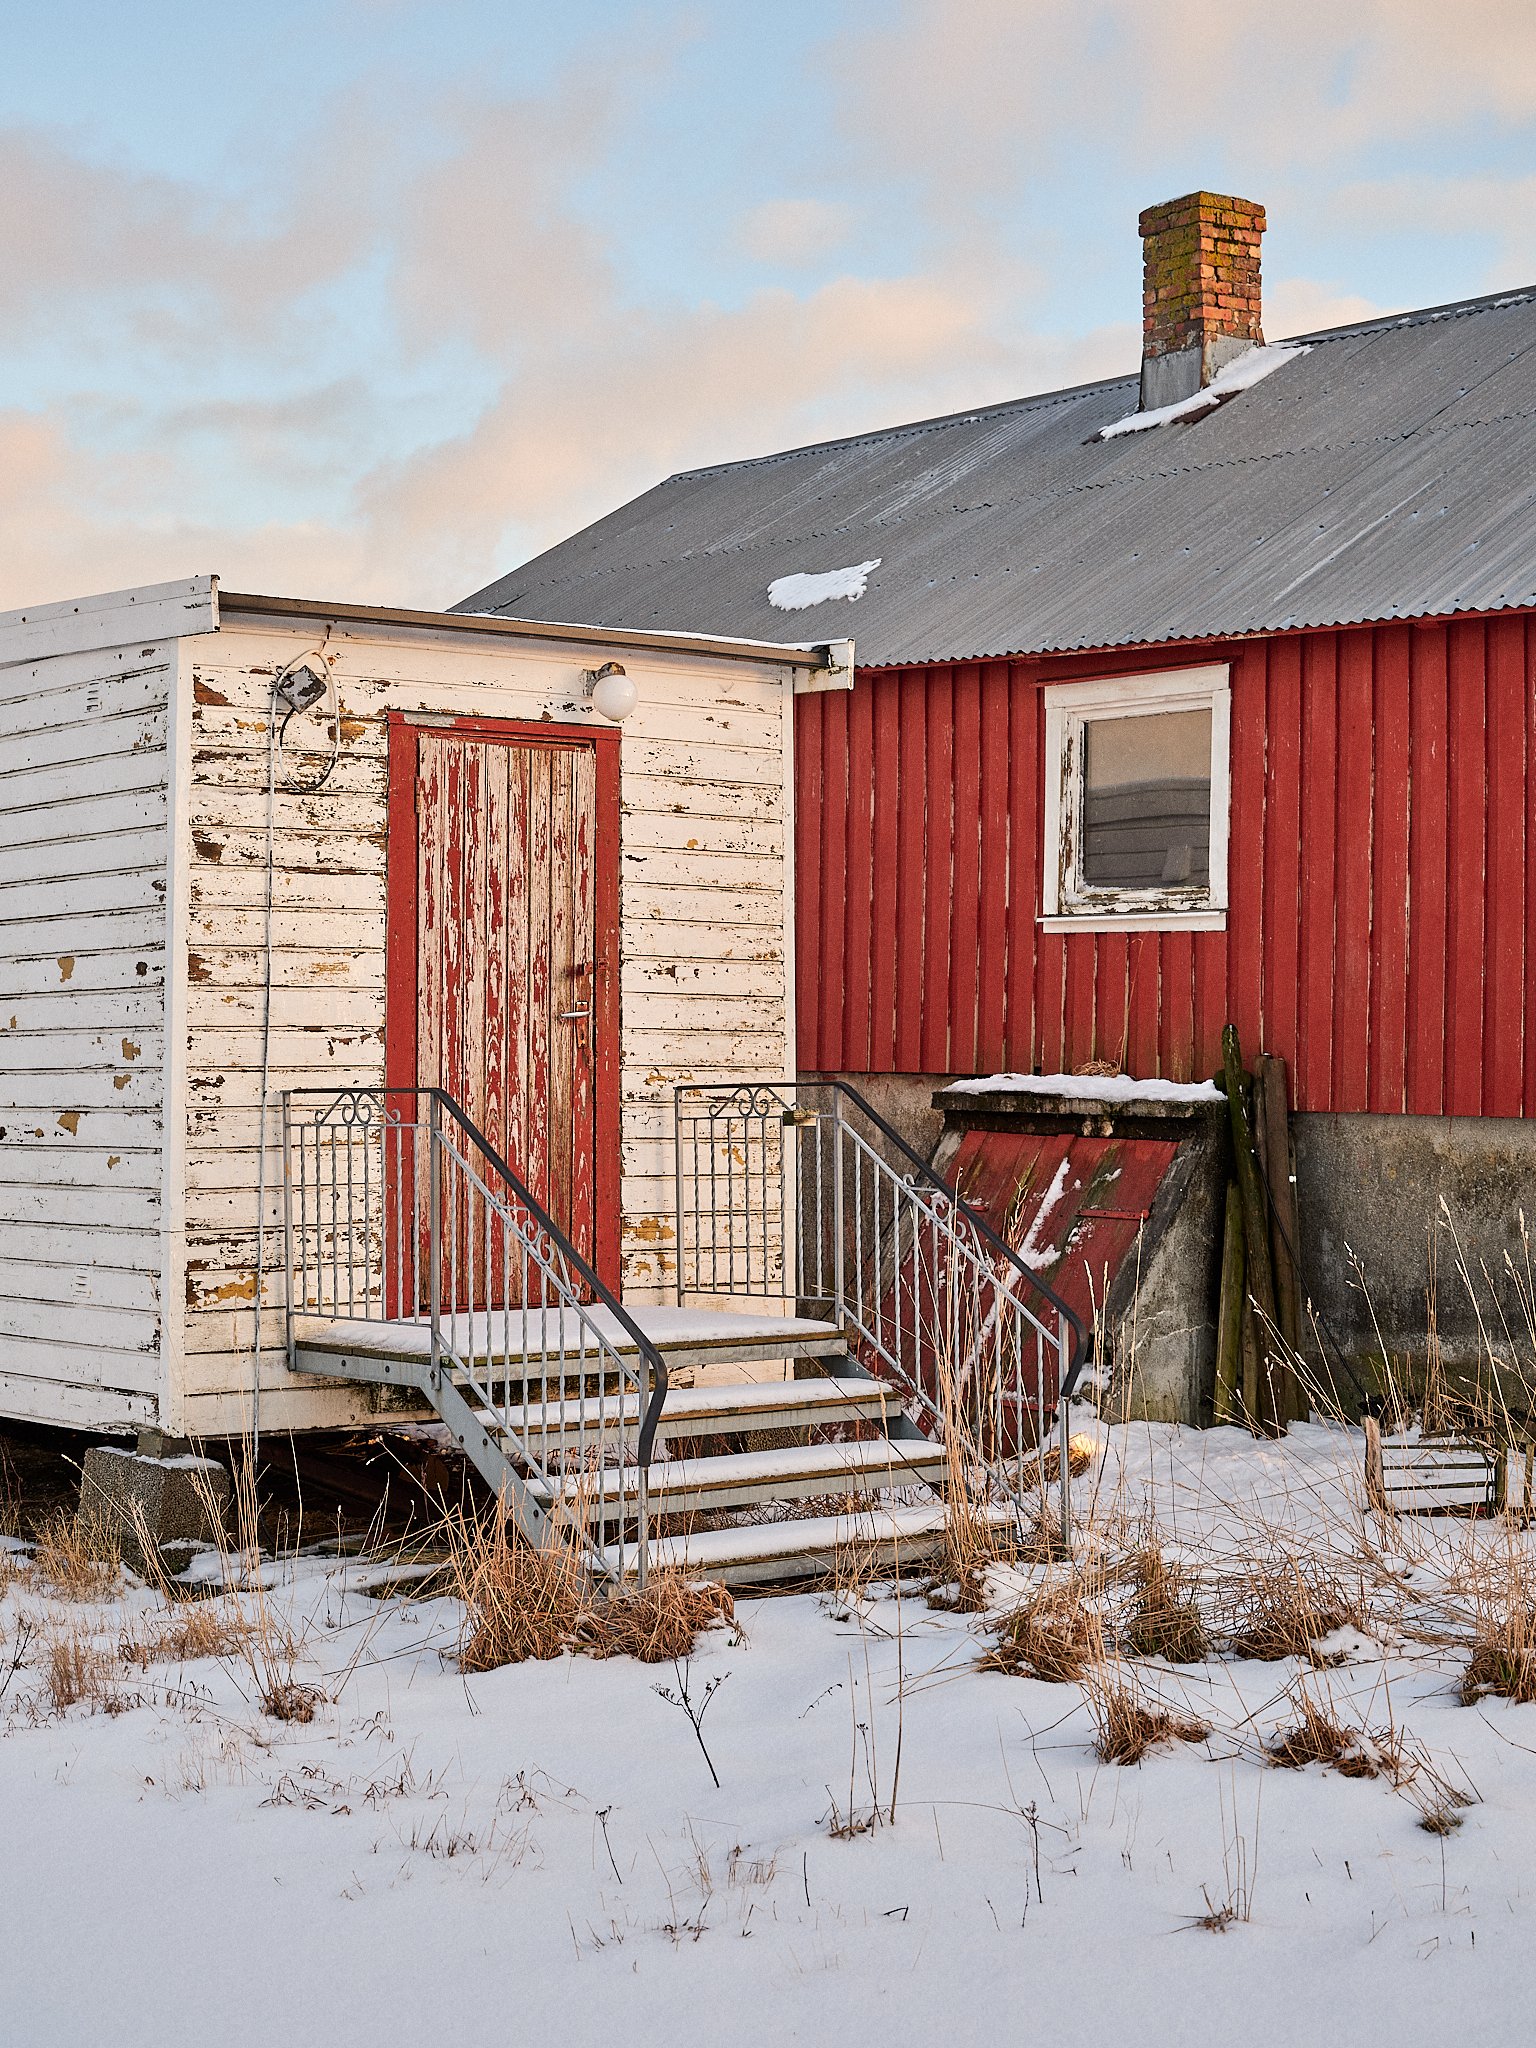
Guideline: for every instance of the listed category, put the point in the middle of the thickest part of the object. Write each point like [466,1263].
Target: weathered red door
[503,949]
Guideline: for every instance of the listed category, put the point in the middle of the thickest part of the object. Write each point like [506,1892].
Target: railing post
[1063,1430]
[839,1248]
[677,1181]
[435,1235]
[287,1230]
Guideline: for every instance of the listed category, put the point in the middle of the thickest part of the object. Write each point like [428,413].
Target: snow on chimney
[1201,302]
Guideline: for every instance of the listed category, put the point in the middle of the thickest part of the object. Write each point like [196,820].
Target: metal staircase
[850,1342]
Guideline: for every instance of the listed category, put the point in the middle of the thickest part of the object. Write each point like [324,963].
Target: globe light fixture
[613,695]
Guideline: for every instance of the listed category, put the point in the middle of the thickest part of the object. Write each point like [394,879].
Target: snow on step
[681,1483]
[555,1333]
[700,1411]
[766,1550]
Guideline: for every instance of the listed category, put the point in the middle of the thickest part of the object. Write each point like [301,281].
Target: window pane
[1147,801]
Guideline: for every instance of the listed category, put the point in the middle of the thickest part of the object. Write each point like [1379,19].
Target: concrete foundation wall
[1375,1238]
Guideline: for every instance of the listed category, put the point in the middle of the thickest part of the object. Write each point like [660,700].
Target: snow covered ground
[540,1852]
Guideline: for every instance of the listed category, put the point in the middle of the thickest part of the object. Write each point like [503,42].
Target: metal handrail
[654,1358]
[978,1222]
[562,1270]
[797,1202]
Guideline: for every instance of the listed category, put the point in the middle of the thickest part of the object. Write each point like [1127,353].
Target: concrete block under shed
[167,1506]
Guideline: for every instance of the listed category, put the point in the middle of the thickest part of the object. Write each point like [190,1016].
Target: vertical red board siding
[991,978]
[911,794]
[834,872]
[886,798]
[1529,1010]
[965,887]
[1428,897]
[1382,877]
[1508,808]
[1021,966]
[811,827]
[1353,926]
[938,869]
[859,878]
[1467,696]
[1313,1067]
[1388,1021]
[1281,962]
[1245,844]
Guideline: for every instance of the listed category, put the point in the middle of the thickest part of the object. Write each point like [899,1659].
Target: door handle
[569,1016]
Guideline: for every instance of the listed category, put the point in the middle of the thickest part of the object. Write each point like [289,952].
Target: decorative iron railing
[803,1193]
[400,1216]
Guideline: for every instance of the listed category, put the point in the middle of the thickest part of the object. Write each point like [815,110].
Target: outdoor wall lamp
[613,695]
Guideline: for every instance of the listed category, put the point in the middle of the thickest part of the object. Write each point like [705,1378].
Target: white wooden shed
[383,1028]
[162,941]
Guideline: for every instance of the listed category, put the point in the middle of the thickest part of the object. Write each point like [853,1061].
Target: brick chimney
[1201,302]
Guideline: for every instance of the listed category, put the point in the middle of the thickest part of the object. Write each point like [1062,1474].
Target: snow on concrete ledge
[1238,375]
[1089,1088]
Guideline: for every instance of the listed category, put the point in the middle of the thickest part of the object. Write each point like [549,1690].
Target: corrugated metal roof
[1389,472]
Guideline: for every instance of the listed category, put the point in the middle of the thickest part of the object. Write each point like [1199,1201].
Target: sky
[373,299]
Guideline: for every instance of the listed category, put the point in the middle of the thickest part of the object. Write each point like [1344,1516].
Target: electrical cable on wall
[298,686]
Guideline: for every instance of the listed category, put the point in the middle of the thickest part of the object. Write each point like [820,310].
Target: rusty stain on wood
[130,1050]
[203,692]
[648,1229]
[66,966]
[69,1121]
[207,845]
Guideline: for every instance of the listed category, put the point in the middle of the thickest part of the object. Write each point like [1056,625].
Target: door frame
[400,934]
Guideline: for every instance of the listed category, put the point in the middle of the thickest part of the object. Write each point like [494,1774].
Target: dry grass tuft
[1505,1669]
[1503,1660]
[1057,1635]
[523,1601]
[75,1668]
[1165,1621]
[1126,1725]
[520,1602]
[1318,1739]
[1281,1609]
[197,1629]
[73,1560]
[1442,1818]
[658,1626]
[293,1701]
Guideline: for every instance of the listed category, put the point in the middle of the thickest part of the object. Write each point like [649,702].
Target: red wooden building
[1201,695]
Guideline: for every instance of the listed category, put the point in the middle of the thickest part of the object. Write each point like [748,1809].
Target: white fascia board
[115,618]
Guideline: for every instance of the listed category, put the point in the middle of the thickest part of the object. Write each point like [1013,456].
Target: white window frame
[1068,902]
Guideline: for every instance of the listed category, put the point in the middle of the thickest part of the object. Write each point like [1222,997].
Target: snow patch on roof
[796,593]
[1242,371]
[1089,1087]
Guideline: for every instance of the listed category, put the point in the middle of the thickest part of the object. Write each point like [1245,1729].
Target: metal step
[549,1346]
[683,1485]
[767,1552]
[701,1411]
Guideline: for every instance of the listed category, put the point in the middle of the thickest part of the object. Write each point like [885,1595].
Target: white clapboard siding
[705,932]
[134,933]
[84,779]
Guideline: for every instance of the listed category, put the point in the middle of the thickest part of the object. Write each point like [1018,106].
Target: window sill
[1137,921]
